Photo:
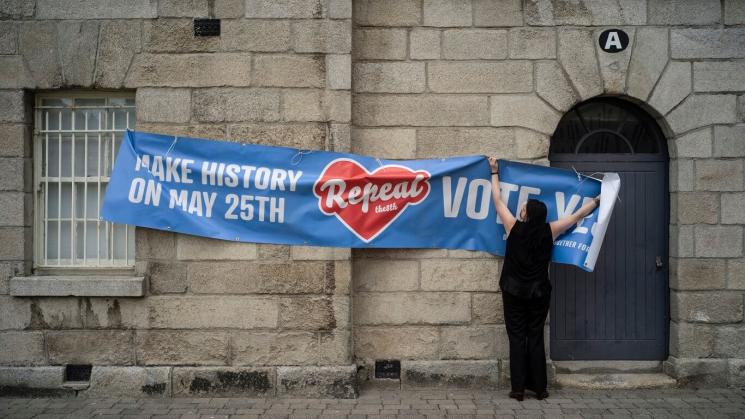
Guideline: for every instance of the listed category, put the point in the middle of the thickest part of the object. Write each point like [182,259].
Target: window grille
[76,139]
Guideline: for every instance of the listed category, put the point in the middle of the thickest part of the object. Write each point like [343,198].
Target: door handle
[658,262]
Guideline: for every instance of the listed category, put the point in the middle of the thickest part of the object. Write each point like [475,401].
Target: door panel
[619,311]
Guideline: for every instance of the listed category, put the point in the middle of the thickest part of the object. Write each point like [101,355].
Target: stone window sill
[78,286]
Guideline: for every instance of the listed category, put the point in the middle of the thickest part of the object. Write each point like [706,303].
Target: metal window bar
[72,228]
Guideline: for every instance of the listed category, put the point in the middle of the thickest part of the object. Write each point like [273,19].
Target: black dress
[526,294]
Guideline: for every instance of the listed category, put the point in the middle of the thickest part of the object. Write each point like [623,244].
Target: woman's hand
[494,164]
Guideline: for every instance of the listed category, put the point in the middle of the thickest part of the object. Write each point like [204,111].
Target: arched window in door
[607,125]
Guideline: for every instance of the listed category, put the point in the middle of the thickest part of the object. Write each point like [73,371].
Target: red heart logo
[367,203]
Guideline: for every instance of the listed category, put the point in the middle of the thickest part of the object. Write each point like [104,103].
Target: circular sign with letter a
[613,40]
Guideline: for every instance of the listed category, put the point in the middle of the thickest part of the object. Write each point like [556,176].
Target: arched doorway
[620,311]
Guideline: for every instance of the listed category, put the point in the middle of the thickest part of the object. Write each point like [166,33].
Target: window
[76,138]
[607,125]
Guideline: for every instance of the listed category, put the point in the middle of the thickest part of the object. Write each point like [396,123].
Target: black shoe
[542,395]
[517,395]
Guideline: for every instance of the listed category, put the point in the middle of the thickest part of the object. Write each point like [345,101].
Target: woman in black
[526,290]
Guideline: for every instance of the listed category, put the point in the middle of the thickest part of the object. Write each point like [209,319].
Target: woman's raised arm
[504,213]
[563,224]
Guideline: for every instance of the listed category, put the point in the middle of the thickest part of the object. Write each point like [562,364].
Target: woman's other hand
[494,164]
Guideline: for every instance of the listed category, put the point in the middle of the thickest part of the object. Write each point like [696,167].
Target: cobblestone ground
[710,404]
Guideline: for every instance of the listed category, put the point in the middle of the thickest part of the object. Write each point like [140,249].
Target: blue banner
[255,193]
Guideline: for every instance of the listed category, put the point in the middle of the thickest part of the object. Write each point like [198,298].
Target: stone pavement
[710,404]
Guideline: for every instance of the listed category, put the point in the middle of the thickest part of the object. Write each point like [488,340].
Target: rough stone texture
[697,208]
[728,342]
[15,140]
[486,308]
[181,8]
[15,209]
[707,43]
[459,275]
[718,241]
[719,175]
[379,44]
[22,348]
[13,74]
[135,382]
[248,278]
[307,313]
[167,277]
[736,370]
[270,348]
[201,248]
[438,142]
[329,36]
[698,274]
[736,274]
[387,12]
[388,143]
[497,12]
[697,372]
[305,136]
[498,77]
[718,76]
[395,343]
[447,13]
[412,308]
[189,70]
[8,37]
[386,275]
[209,312]
[614,67]
[163,105]
[398,77]
[691,340]
[700,110]
[648,60]
[295,9]
[473,342]
[99,9]
[253,35]
[339,71]
[577,55]
[176,35]
[532,43]
[181,347]
[467,44]
[422,110]
[319,253]
[734,13]
[118,42]
[223,382]
[77,45]
[424,44]
[12,106]
[732,208]
[585,12]
[681,241]
[35,377]
[674,85]
[729,141]
[289,71]
[527,111]
[104,347]
[684,12]
[460,374]
[15,242]
[530,144]
[35,41]
[706,307]
[322,382]
[553,86]
[230,104]
[89,286]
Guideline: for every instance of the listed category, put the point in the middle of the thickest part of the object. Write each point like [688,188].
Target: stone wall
[218,317]
[393,79]
[438,78]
